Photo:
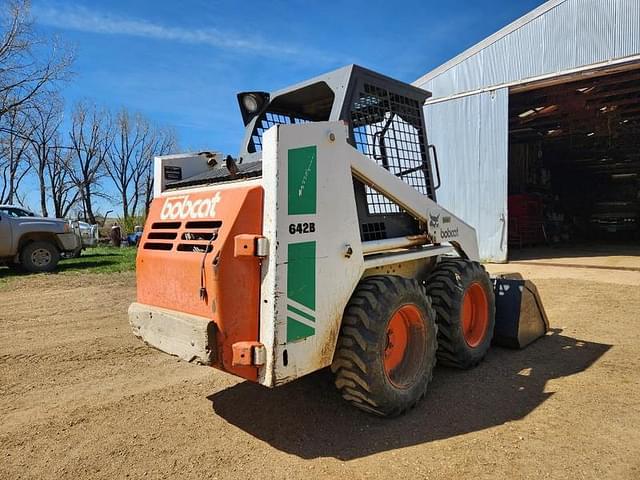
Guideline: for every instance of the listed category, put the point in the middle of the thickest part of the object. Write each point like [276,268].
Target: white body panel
[336,276]
[299,318]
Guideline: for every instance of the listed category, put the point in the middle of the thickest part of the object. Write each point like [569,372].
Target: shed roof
[558,38]
[532,15]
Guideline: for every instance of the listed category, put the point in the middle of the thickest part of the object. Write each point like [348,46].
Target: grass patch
[92,260]
[101,260]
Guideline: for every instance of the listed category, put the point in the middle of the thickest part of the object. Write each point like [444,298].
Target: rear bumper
[89,242]
[189,337]
[69,241]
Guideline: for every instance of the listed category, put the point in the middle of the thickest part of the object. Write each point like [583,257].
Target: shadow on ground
[308,418]
[85,262]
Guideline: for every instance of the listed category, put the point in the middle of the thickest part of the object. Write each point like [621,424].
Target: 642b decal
[306,227]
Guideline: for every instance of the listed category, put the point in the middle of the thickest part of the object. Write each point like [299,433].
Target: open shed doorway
[574,164]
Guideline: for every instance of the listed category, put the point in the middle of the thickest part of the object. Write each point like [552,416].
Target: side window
[312,103]
[268,120]
[388,128]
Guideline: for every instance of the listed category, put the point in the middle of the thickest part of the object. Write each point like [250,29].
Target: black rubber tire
[447,286]
[27,262]
[358,362]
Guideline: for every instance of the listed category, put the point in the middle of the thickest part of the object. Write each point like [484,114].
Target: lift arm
[442,225]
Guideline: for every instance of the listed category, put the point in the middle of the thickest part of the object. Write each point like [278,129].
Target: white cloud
[85,20]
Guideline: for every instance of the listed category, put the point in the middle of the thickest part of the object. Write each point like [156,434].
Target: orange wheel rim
[475,314]
[404,346]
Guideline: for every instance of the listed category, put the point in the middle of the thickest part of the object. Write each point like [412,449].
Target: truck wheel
[39,257]
[387,346]
[465,307]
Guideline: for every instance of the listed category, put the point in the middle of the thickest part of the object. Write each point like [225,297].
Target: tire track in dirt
[39,405]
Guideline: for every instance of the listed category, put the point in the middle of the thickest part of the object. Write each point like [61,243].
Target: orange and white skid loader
[321,244]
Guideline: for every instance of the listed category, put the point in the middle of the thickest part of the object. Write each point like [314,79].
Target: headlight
[250,102]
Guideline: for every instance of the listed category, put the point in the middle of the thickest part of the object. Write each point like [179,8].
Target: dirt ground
[80,397]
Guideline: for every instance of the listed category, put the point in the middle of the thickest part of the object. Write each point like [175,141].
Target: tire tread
[357,343]
[444,286]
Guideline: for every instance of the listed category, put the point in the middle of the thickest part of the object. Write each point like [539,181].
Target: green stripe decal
[301,273]
[297,330]
[301,287]
[302,183]
[301,313]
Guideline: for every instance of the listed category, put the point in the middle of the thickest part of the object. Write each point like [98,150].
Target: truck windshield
[16,212]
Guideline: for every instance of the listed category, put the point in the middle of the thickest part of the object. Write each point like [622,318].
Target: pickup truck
[88,235]
[34,243]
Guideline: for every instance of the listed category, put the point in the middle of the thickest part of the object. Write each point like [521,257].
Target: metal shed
[471,119]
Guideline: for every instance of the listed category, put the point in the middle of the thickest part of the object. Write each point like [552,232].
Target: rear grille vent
[157,246]
[165,225]
[162,231]
[195,247]
[163,235]
[204,224]
[196,237]
[199,235]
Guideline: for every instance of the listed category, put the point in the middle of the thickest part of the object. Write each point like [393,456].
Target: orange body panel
[243,352]
[170,273]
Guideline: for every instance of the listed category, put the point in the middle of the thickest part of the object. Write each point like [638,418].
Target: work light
[250,102]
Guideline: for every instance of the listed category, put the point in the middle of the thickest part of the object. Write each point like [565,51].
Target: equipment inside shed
[574,160]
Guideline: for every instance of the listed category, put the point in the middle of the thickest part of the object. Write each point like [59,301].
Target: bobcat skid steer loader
[321,244]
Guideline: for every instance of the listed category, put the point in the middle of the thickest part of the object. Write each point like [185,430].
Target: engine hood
[52,224]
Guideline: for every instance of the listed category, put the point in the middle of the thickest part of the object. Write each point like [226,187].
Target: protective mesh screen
[268,120]
[374,231]
[387,127]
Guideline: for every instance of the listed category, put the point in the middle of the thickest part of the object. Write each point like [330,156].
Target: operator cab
[386,123]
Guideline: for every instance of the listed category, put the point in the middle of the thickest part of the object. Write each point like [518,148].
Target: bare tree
[90,140]
[127,156]
[28,64]
[44,119]
[64,192]
[163,141]
[14,154]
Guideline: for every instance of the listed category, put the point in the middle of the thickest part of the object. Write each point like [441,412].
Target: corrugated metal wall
[471,137]
[471,133]
[573,34]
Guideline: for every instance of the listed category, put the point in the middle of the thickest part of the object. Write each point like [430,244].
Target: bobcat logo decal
[434,221]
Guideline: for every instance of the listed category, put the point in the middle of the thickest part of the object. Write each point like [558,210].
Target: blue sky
[181,63]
